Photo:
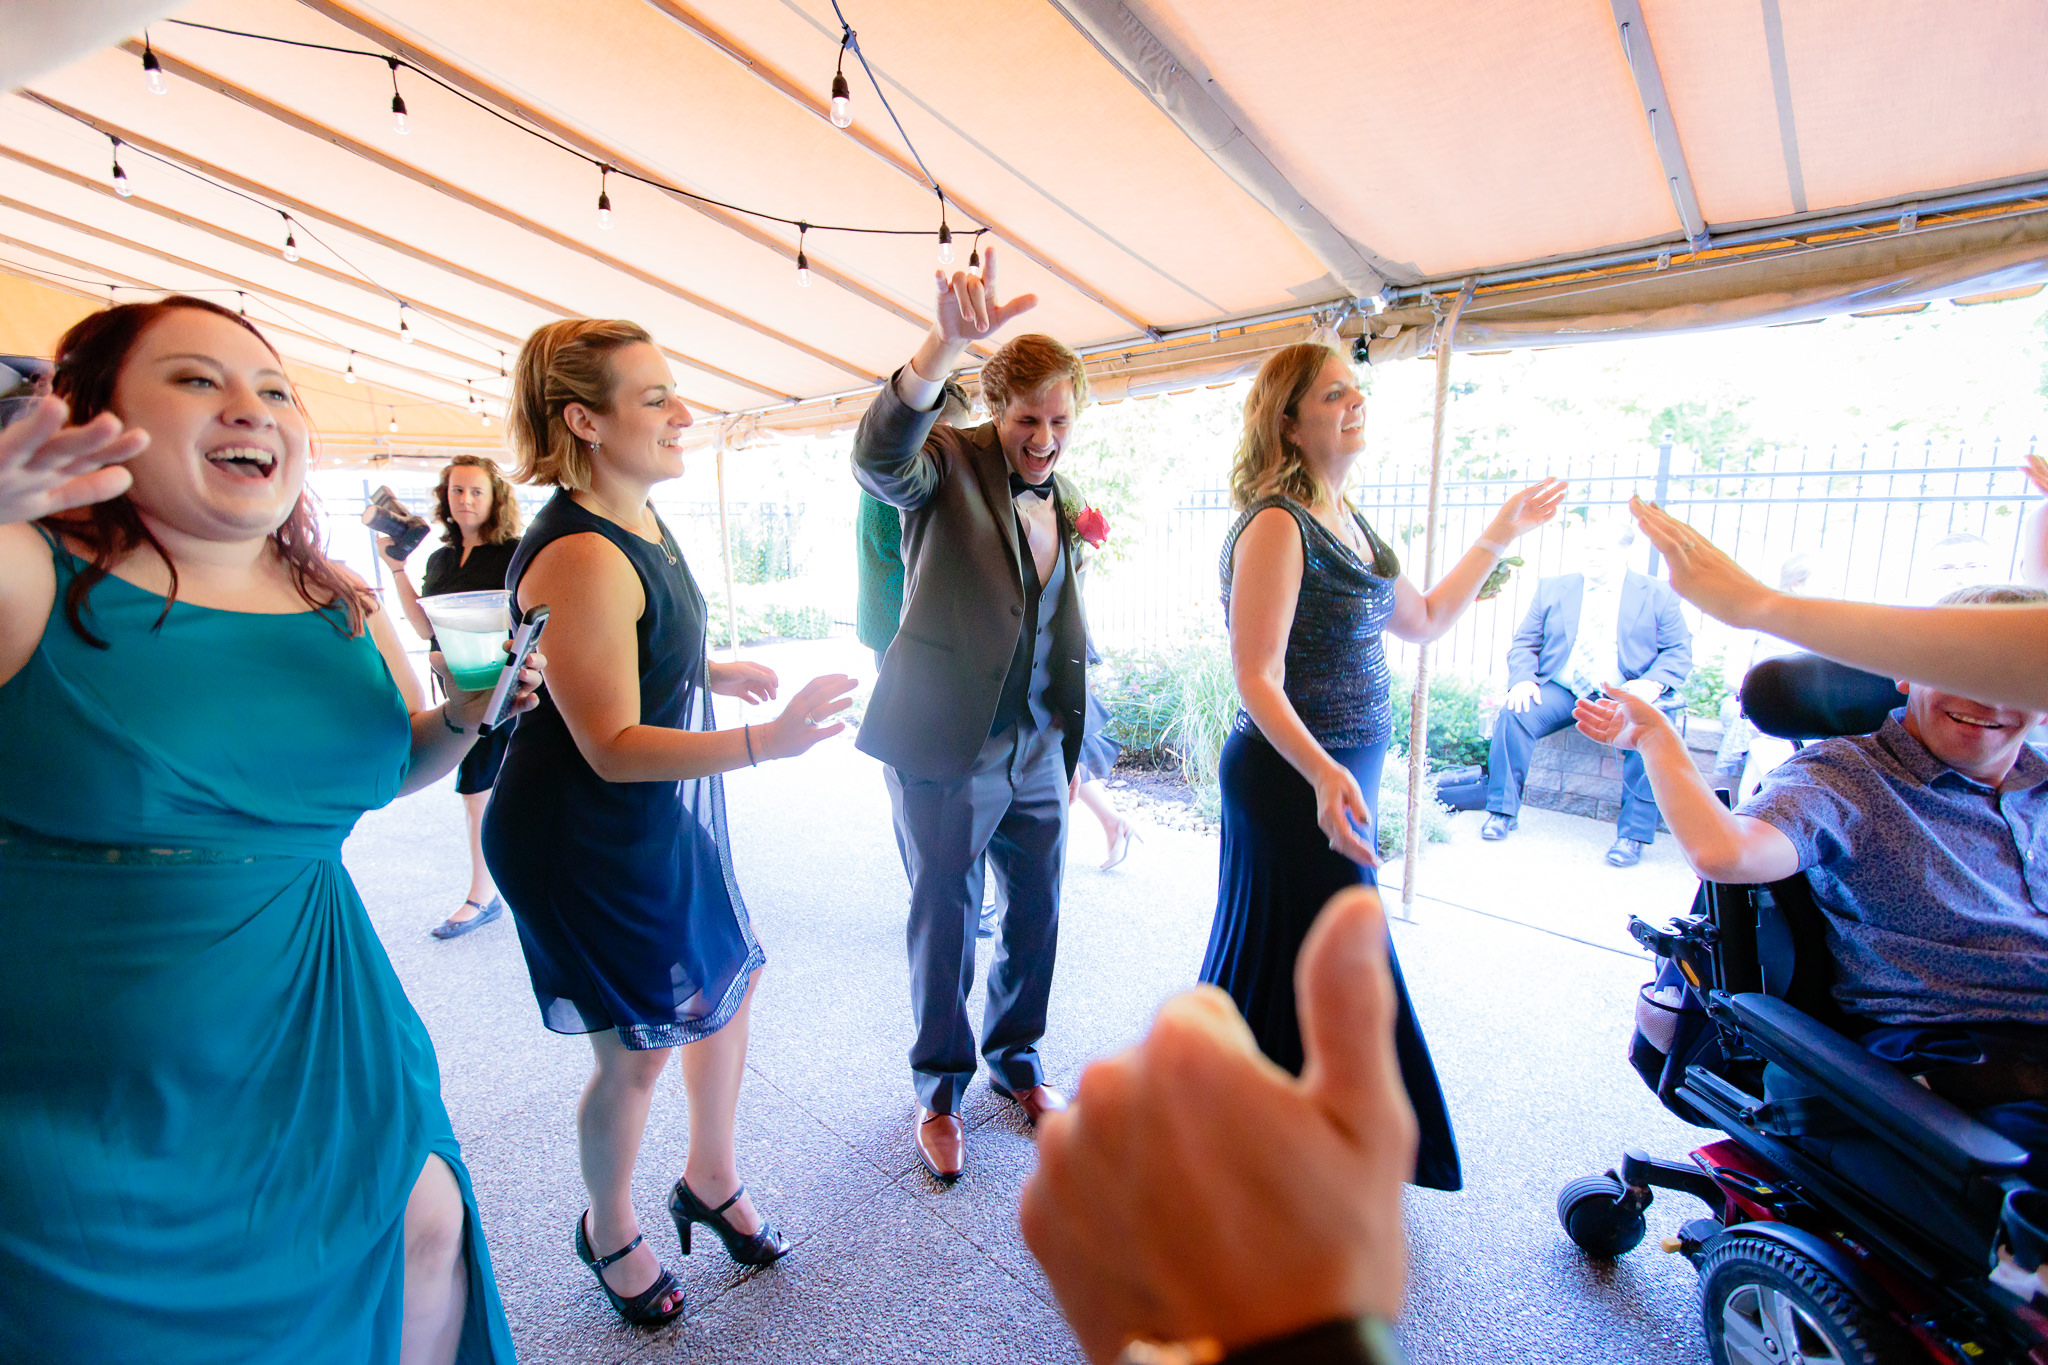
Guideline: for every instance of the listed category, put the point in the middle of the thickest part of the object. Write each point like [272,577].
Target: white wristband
[1494,547]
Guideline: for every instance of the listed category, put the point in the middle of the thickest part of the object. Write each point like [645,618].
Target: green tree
[1713,428]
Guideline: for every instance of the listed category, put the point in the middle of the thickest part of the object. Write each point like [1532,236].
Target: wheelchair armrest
[1875,1093]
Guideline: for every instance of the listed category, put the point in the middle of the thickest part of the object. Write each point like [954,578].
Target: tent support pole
[1418,704]
[732,602]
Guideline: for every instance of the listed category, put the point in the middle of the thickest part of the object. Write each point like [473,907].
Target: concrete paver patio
[1517,957]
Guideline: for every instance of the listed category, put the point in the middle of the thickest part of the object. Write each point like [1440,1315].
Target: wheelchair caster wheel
[1765,1304]
[1595,1218]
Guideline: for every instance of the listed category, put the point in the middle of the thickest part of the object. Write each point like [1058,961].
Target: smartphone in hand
[508,681]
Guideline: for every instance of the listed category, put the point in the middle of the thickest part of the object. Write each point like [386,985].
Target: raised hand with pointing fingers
[968,306]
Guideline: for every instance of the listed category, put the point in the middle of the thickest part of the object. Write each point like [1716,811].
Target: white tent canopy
[1184,183]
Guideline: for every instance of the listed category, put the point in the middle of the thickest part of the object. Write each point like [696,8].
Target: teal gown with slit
[214,1096]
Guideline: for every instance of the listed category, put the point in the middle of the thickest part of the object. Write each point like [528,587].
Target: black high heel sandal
[748,1248]
[638,1310]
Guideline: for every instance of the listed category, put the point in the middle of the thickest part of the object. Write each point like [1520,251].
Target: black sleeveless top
[670,631]
[1337,675]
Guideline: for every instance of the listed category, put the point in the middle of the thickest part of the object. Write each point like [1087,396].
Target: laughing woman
[607,829]
[221,1129]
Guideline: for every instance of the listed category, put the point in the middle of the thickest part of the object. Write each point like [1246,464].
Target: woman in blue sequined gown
[606,830]
[221,1130]
[1308,588]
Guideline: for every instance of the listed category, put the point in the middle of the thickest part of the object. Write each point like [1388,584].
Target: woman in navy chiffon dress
[606,829]
[1308,591]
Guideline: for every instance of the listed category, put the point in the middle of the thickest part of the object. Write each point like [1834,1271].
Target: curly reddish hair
[90,358]
[502,525]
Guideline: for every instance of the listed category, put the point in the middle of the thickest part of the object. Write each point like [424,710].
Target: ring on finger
[811,721]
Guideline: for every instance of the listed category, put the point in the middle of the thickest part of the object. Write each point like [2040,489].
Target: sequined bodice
[1337,675]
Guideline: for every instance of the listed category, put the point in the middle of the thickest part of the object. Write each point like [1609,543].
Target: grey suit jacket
[963,593]
[1654,641]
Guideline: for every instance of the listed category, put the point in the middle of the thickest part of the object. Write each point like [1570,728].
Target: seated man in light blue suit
[1602,629]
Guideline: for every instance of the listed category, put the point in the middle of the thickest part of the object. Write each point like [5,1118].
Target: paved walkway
[1520,968]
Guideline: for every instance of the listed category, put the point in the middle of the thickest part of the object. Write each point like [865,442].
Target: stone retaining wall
[1571,773]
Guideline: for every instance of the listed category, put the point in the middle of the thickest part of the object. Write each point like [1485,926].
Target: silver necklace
[669,550]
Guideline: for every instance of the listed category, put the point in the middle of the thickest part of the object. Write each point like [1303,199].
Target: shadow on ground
[1520,967]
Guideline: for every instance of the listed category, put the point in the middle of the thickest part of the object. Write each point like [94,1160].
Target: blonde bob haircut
[1026,367]
[562,363]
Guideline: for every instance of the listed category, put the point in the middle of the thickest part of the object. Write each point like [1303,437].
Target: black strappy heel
[638,1310]
[748,1248]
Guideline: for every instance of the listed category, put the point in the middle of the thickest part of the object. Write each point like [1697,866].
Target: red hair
[90,358]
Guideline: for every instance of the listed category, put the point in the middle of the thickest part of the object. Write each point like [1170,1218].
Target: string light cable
[849,42]
[125,190]
[242,298]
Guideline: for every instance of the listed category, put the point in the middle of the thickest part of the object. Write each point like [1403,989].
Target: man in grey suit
[977,711]
[1605,628]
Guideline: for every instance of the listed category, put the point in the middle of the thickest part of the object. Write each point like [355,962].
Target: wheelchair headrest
[1803,696]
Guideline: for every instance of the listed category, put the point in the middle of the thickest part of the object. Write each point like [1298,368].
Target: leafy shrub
[1458,732]
[1705,689]
[1173,708]
[1142,694]
[761,620]
[1393,822]
[797,623]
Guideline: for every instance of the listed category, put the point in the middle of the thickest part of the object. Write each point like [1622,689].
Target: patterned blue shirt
[1935,887]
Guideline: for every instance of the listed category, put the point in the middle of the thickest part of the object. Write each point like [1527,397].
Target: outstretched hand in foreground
[1699,571]
[1197,1193]
[1622,719]
[47,467]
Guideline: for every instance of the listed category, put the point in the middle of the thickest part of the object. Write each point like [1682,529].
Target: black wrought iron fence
[1889,521]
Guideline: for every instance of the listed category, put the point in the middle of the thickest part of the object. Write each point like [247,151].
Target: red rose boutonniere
[1091,526]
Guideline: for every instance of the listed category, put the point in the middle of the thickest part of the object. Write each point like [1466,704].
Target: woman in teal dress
[221,1131]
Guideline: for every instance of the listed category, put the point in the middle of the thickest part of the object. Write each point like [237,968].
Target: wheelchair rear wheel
[1594,1217]
[1766,1304]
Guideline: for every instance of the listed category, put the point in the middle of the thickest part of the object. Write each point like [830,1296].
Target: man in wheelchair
[1926,847]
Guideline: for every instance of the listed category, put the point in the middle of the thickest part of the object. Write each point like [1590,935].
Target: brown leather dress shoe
[941,1143]
[1038,1101]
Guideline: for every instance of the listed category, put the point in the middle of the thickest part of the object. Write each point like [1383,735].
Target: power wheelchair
[1856,1217]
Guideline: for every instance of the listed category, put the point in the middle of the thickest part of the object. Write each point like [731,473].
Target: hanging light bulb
[397,100]
[404,331]
[803,262]
[291,242]
[394,418]
[842,102]
[842,93]
[121,185]
[604,199]
[974,253]
[945,245]
[348,376]
[487,417]
[152,69]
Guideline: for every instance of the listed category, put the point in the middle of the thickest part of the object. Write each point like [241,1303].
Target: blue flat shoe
[456,928]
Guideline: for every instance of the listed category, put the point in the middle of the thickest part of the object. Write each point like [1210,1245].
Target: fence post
[1663,491]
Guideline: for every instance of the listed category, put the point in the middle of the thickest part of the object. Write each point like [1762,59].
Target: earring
[593,449]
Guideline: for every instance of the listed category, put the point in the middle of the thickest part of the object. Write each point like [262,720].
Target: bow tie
[1018,488]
